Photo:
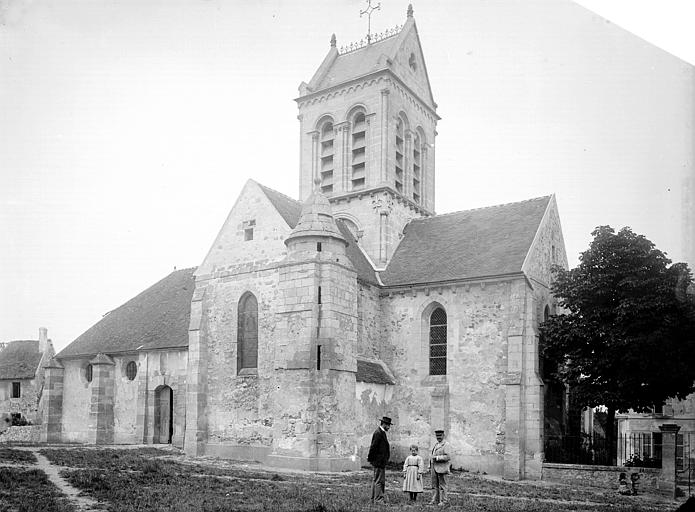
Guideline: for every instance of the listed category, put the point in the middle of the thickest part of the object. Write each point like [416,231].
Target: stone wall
[129,416]
[125,400]
[473,406]
[26,434]
[368,321]
[76,401]
[605,477]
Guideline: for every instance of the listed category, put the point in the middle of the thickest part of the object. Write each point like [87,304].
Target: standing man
[379,453]
[439,465]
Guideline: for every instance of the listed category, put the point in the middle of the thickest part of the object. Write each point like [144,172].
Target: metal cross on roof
[368,11]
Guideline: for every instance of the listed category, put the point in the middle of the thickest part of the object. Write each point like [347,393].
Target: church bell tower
[368,123]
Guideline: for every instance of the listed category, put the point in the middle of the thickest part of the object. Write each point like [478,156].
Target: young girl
[413,468]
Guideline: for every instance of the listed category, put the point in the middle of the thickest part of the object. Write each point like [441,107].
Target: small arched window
[417,167]
[327,150]
[247,333]
[89,373]
[131,370]
[400,163]
[359,150]
[438,342]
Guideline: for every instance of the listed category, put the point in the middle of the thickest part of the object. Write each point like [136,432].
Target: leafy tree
[626,336]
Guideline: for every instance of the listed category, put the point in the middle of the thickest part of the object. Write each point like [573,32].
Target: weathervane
[368,11]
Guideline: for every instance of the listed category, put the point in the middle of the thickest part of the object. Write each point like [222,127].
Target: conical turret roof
[316,219]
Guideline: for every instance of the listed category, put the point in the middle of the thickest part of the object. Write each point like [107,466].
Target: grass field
[9,455]
[125,480]
[28,490]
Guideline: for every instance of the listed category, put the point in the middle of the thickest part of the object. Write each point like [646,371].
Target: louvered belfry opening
[438,342]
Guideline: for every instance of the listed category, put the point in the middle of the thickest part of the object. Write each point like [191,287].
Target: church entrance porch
[163,415]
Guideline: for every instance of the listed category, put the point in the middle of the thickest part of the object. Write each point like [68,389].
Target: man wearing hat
[379,453]
[439,466]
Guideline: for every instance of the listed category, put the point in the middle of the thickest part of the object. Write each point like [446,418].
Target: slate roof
[358,63]
[372,372]
[290,210]
[19,359]
[156,318]
[364,269]
[474,243]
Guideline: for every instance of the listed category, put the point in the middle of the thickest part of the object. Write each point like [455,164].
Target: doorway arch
[163,415]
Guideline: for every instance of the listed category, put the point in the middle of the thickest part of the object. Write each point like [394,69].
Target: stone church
[309,320]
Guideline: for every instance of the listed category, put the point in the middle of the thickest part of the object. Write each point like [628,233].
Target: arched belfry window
[417,167]
[359,150]
[438,342]
[327,151]
[400,160]
[247,332]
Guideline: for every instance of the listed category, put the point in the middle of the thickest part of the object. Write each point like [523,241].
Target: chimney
[43,338]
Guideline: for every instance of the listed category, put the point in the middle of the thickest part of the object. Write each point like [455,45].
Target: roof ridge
[481,208]
[184,269]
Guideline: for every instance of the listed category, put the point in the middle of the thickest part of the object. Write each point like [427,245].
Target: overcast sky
[128,128]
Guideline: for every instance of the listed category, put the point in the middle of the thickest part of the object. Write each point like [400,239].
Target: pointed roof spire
[333,41]
[410,10]
[316,218]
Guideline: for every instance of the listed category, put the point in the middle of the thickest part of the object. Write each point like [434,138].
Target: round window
[131,370]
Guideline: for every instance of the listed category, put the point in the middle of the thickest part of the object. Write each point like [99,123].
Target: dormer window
[248,229]
[412,62]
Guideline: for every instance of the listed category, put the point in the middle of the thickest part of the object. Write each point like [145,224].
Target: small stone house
[22,369]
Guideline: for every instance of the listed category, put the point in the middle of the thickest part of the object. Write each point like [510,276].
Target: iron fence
[638,449]
[685,462]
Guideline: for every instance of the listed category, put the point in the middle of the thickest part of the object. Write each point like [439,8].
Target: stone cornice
[454,285]
[384,74]
[370,192]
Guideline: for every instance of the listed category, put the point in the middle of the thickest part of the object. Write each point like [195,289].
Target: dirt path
[81,503]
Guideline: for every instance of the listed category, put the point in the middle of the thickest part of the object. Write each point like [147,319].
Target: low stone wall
[605,477]
[26,434]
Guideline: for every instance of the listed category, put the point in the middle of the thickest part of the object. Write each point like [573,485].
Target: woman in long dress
[413,469]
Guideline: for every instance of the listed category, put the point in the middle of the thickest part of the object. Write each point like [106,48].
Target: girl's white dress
[413,466]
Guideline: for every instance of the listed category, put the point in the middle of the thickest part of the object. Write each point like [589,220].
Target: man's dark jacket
[379,451]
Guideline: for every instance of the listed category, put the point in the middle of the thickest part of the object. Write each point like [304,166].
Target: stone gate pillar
[667,479]
[51,430]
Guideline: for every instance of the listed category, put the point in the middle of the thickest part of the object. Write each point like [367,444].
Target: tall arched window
[247,332]
[359,148]
[327,139]
[400,161]
[417,167]
[438,342]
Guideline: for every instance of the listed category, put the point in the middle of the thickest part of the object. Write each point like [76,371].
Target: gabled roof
[288,208]
[339,68]
[156,318]
[20,359]
[364,61]
[483,242]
